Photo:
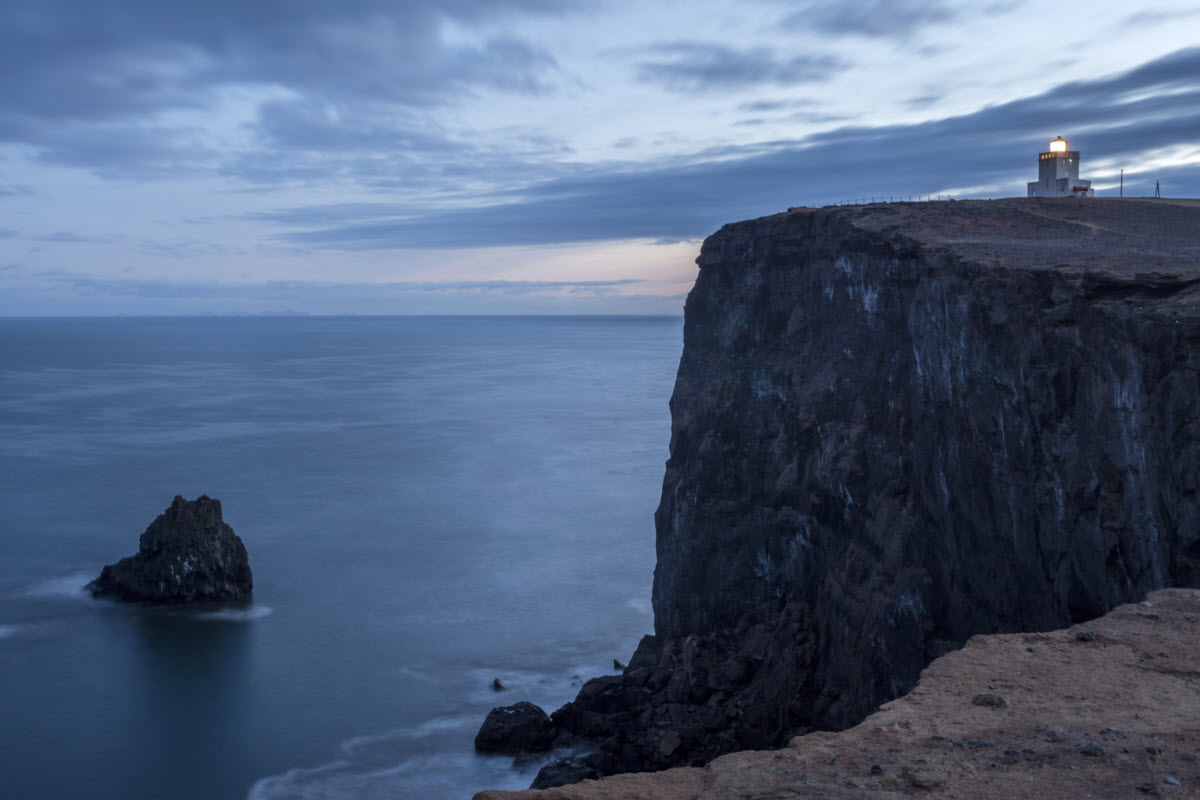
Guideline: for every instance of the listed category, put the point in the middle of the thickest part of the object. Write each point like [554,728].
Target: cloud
[762,106]
[1155,17]
[1119,118]
[879,19]
[374,145]
[163,288]
[800,111]
[180,248]
[329,213]
[698,66]
[108,57]
[103,83]
[923,101]
[124,150]
[68,237]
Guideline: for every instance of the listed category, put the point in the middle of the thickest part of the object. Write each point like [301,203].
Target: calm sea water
[428,504]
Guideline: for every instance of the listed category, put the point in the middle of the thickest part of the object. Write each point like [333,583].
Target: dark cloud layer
[66,59]
[88,83]
[1120,118]
[352,92]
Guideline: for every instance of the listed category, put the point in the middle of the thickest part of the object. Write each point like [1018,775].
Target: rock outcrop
[896,427]
[516,729]
[187,555]
[1114,716]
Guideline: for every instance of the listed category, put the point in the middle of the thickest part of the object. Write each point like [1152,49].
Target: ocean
[428,503]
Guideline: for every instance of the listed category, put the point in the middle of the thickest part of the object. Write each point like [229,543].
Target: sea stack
[187,555]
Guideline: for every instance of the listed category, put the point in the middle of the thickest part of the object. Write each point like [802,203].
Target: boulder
[187,555]
[515,729]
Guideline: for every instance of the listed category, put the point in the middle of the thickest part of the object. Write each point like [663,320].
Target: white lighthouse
[1058,173]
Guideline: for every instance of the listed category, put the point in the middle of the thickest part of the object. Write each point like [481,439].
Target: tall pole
[1122,183]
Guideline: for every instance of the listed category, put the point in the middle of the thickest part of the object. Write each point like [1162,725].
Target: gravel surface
[1122,236]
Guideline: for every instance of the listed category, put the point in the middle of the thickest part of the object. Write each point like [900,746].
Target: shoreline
[1054,714]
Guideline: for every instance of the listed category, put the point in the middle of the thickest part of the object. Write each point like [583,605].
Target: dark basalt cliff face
[898,426]
[189,554]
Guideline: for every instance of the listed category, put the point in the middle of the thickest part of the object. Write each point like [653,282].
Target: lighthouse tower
[1058,173]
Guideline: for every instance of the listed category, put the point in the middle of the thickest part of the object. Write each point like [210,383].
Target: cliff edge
[895,427]
[1106,712]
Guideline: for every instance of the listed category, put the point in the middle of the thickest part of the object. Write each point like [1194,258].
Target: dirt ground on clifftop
[1107,709]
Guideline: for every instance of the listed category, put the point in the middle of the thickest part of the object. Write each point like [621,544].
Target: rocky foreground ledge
[1108,709]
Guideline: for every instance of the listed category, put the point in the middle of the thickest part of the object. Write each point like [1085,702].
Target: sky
[531,156]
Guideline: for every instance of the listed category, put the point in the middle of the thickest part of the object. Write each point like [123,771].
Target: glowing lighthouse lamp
[1058,173]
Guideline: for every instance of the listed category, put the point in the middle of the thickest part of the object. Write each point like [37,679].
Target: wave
[417,674]
[381,748]
[430,777]
[641,605]
[433,727]
[435,760]
[72,587]
[236,614]
[431,761]
[546,689]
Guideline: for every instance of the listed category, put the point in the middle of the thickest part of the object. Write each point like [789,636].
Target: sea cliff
[895,427]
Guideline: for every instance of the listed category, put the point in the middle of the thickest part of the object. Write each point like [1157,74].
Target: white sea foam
[383,747]
[236,614]
[431,761]
[68,586]
[437,725]
[418,675]
[640,605]
[424,776]
[546,689]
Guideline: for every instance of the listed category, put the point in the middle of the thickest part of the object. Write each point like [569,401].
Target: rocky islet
[187,555]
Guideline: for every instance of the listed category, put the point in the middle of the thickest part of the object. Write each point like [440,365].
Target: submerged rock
[187,555]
